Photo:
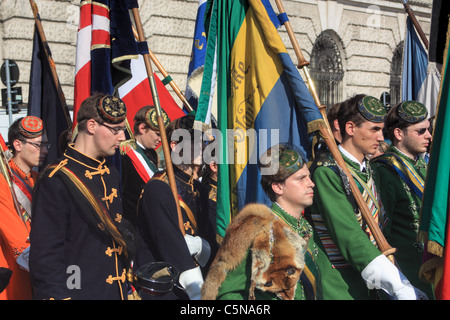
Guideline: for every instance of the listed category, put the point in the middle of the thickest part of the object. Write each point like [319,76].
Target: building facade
[352,46]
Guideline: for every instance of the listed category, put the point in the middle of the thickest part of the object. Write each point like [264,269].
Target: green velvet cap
[372,109]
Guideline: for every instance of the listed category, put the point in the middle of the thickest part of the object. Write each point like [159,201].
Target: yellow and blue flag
[261,98]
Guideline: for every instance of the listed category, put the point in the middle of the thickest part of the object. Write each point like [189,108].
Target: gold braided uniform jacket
[76,252]
[157,224]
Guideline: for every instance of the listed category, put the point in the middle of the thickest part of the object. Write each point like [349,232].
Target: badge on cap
[151,118]
[412,111]
[112,109]
[31,127]
[372,109]
[291,160]
[286,155]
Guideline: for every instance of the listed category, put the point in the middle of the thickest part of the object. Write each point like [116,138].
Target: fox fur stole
[277,254]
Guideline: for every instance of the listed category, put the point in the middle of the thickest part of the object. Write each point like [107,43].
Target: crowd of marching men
[80,229]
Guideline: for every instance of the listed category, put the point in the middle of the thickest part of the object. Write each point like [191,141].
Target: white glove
[192,280]
[23,258]
[381,273]
[199,248]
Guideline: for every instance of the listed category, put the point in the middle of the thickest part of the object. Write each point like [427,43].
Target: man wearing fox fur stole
[269,253]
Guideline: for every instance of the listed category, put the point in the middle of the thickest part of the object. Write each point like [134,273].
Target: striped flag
[435,209]
[136,93]
[105,45]
[415,62]
[434,226]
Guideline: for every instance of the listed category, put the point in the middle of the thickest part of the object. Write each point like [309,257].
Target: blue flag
[415,62]
[44,100]
[195,72]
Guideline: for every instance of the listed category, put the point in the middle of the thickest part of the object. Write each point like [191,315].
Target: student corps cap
[291,160]
[412,111]
[31,127]
[151,118]
[287,156]
[112,109]
[372,109]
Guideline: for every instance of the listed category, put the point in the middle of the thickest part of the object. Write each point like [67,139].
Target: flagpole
[162,130]
[5,169]
[413,18]
[381,241]
[166,75]
[62,98]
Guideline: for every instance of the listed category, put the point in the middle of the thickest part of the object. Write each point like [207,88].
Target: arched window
[327,69]
[395,83]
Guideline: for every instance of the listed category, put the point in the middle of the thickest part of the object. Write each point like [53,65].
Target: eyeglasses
[41,145]
[114,130]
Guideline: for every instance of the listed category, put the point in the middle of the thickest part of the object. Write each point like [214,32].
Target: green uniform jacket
[402,208]
[333,213]
[237,283]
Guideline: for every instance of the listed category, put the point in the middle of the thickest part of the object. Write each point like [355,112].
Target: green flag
[435,208]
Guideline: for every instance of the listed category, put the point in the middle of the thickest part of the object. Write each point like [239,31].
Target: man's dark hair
[393,121]
[15,134]
[139,118]
[348,111]
[88,110]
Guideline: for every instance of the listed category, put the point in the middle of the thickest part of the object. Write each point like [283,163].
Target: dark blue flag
[45,100]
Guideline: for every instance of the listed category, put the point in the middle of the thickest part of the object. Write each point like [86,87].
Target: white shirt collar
[362,166]
[140,144]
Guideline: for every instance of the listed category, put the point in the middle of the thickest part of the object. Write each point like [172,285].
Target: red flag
[2,143]
[442,290]
[136,93]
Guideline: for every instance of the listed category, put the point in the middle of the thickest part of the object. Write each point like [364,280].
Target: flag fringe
[315,125]
[431,271]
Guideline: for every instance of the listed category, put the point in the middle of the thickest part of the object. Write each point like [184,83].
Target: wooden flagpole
[162,129]
[416,24]
[382,243]
[165,75]
[5,169]
[40,29]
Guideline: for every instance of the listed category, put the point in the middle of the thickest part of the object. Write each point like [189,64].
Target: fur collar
[277,254]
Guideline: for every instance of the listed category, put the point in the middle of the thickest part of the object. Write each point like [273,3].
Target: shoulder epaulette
[55,167]
[325,159]
[162,175]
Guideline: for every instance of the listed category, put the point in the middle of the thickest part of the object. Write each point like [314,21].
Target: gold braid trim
[94,203]
[435,248]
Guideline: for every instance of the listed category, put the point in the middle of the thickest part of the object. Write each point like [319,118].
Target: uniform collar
[404,155]
[83,159]
[362,166]
[183,176]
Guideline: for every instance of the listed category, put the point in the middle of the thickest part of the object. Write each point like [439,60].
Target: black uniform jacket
[159,228]
[72,255]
